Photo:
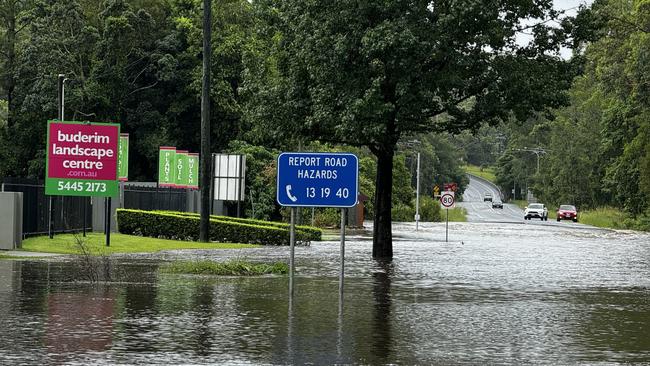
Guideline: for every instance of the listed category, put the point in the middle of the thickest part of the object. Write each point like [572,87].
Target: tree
[369,73]
[13,20]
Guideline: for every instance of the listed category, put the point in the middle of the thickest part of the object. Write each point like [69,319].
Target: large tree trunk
[382,240]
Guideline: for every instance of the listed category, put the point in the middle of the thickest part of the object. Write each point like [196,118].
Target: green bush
[430,209]
[402,213]
[313,233]
[181,226]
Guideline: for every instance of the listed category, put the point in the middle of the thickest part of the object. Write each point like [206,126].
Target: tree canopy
[368,73]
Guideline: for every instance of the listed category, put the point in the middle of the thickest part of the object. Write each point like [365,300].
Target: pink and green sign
[123,158]
[82,159]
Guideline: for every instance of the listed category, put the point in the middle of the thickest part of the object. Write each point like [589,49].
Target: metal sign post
[292,244]
[317,180]
[417,197]
[342,274]
[447,201]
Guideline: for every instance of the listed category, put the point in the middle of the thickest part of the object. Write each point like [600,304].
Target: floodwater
[494,294]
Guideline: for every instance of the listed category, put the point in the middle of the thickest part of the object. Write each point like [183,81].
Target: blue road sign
[317,179]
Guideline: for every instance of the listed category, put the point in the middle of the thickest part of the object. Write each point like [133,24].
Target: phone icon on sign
[291,197]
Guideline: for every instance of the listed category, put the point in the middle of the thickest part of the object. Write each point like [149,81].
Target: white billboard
[229,177]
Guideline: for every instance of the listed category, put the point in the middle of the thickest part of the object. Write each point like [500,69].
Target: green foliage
[402,212]
[184,226]
[229,268]
[486,173]
[312,232]
[260,180]
[598,148]
[430,209]
[457,214]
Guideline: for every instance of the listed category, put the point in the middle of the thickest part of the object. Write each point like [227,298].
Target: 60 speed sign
[447,199]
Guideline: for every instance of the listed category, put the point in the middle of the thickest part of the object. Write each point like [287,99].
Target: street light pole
[61,80]
[535,150]
[417,196]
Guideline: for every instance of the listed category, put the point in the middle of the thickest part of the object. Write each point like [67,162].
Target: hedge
[314,233]
[175,225]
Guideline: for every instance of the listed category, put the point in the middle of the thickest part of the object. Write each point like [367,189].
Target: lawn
[485,173]
[120,243]
[606,217]
[457,214]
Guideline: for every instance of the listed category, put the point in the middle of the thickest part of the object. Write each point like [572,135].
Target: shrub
[181,226]
[402,213]
[312,233]
[430,209]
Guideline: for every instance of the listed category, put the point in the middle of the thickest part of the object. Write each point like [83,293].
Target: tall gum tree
[367,73]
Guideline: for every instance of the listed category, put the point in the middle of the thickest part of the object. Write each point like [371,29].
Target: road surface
[479,210]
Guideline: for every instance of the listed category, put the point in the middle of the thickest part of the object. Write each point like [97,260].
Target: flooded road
[495,293]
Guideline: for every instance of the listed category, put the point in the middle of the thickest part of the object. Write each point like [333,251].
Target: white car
[538,210]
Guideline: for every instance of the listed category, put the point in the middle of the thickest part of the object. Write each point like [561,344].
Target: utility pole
[417,196]
[204,234]
[535,150]
[61,80]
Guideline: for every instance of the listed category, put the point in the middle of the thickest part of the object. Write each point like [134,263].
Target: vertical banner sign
[82,159]
[166,166]
[123,158]
[181,169]
[193,171]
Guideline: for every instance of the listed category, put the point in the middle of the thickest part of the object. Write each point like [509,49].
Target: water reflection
[78,322]
[493,300]
[381,290]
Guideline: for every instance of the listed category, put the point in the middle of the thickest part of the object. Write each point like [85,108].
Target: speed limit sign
[447,199]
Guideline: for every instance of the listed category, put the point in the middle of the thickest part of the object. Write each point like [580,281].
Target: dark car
[487,197]
[497,204]
[567,212]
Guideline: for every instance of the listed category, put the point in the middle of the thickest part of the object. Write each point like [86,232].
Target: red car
[566,212]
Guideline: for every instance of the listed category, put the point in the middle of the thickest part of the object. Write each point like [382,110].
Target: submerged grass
[230,268]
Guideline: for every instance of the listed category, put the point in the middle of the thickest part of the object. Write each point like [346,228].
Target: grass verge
[120,243]
[606,217]
[485,173]
[230,268]
[457,214]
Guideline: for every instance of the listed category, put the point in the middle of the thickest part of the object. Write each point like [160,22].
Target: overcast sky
[571,8]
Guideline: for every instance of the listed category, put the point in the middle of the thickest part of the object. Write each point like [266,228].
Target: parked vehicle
[567,212]
[497,204]
[487,197]
[538,210]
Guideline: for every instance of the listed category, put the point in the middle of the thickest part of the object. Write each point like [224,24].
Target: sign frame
[86,186]
[282,196]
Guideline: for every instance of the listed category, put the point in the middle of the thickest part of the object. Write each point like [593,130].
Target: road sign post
[82,160]
[447,201]
[317,180]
